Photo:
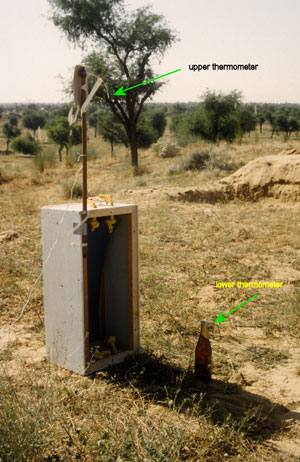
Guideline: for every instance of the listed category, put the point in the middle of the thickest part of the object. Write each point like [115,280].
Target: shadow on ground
[161,382]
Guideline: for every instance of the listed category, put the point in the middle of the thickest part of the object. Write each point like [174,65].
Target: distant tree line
[224,117]
[150,127]
[217,117]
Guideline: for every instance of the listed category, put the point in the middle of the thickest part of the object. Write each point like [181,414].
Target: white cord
[51,249]
[97,77]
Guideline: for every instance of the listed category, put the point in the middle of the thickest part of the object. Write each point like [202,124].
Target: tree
[294,125]
[59,131]
[260,119]
[112,130]
[248,121]
[158,121]
[10,131]
[282,122]
[270,117]
[126,41]
[217,116]
[93,121]
[151,126]
[33,120]
[13,119]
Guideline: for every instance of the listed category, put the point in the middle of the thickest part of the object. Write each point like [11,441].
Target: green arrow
[221,317]
[121,90]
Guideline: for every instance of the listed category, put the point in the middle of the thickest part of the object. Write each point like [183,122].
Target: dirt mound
[270,176]
[288,152]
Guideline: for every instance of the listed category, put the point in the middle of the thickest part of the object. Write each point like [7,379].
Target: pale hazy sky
[264,32]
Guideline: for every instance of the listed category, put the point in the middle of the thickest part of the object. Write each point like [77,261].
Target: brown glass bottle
[203,355]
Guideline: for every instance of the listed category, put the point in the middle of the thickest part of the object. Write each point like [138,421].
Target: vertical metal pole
[83,76]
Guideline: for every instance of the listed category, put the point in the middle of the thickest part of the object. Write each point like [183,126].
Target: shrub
[69,187]
[180,129]
[224,162]
[25,145]
[196,160]
[50,156]
[140,170]
[166,149]
[211,160]
[174,169]
[4,177]
[40,161]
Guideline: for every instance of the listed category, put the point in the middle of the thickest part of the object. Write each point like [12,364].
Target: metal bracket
[79,228]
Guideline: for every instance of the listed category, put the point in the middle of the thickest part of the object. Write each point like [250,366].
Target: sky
[36,58]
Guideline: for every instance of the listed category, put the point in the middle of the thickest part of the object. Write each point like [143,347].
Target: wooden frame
[66,318]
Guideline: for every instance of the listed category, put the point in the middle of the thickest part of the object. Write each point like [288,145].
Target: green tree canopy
[260,117]
[33,120]
[59,131]
[282,122]
[125,44]
[158,121]
[13,119]
[216,118]
[151,126]
[60,111]
[111,130]
[294,125]
[247,120]
[10,131]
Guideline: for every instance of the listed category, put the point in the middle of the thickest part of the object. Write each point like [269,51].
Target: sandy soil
[275,176]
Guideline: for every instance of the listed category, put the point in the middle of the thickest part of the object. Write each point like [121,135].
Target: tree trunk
[112,149]
[68,156]
[133,145]
[134,153]
[131,132]
[59,153]
[95,132]
[260,128]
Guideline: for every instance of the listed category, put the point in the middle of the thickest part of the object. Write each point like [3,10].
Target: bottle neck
[204,329]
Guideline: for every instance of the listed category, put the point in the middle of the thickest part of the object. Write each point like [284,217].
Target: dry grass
[151,408]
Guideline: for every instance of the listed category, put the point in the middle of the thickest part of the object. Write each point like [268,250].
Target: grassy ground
[151,408]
